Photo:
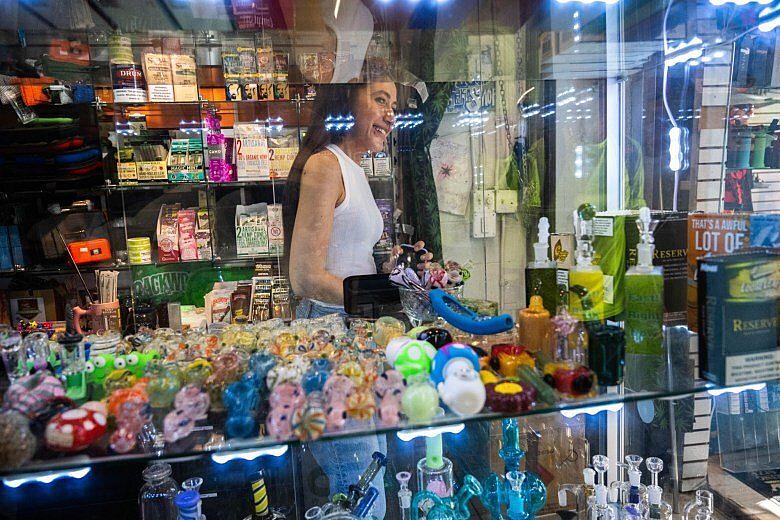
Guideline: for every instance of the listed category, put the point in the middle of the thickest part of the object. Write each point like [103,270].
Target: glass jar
[104,342]
[158,494]
[13,355]
[37,350]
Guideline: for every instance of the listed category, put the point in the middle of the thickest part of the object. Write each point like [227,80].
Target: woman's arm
[322,189]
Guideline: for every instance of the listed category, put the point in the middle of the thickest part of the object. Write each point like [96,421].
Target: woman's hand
[397,251]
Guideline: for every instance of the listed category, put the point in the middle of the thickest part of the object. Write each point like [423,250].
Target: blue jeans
[343,460]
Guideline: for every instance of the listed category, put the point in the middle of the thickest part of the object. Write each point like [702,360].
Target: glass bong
[448,508]
[700,508]
[523,492]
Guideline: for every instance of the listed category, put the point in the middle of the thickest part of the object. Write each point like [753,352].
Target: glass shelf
[195,443]
[60,270]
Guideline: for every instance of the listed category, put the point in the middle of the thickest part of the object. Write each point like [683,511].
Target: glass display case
[568,349]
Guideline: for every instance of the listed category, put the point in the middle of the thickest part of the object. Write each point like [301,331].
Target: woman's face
[374,110]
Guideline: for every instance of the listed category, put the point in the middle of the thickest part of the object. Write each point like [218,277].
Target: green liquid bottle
[540,275]
[644,288]
[586,281]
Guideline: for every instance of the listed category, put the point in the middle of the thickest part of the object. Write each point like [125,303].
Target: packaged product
[159,79]
[712,234]
[275,229]
[185,81]
[168,233]
[188,247]
[252,229]
[251,152]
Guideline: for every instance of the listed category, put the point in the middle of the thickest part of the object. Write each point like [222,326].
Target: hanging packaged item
[261,292]
[159,79]
[185,81]
[252,229]
[739,305]
[280,160]
[251,152]
[188,247]
[275,229]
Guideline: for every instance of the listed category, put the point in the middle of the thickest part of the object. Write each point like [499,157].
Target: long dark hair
[331,100]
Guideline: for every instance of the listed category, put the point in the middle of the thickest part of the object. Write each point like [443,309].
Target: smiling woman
[331,220]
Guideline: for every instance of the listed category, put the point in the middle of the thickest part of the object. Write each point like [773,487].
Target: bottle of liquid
[644,291]
[540,275]
[586,281]
[158,494]
[74,365]
[534,325]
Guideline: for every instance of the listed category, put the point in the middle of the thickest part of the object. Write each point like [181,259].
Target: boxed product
[386,241]
[159,79]
[261,292]
[203,234]
[151,162]
[609,253]
[712,234]
[367,164]
[251,152]
[188,247]
[765,230]
[281,160]
[185,161]
[252,229]
[125,166]
[185,79]
[231,70]
[739,306]
[168,233]
[280,298]
[218,303]
[240,302]
[382,166]
[265,60]
[275,229]
[247,58]
[671,250]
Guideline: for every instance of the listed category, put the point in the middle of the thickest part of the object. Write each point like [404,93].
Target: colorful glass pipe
[448,508]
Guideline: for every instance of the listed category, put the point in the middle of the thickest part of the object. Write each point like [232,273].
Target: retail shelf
[731,168]
[58,270]
[168,185]
[205,439]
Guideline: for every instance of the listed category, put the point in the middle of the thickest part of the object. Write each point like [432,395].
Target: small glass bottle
[541,274]
[158,494]
[586,280]
[702,504]
[14,356]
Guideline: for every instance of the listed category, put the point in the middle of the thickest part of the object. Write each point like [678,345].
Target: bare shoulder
[324,164]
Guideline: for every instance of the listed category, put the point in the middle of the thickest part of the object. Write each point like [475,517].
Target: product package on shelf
[188,247]
[281,158]
[712,234]
[367,164]
[281,302]
[671,248]
[265,59]
[738,310]
[309,64]
[185,80]
[218,302]
[203,234]
[281,70]
[251,151]
[241,302]
[159,79]
[127,78]
[168,233]
[126,171]
[387,239]
[765,230]
[252,229]
[185,160]
[562,251]
[247,58]
[382,166]
[261,292]
[151,162]
[275,229]
[231,70]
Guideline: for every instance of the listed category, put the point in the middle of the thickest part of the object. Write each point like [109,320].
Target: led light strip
[45,478]
[275,451]
[592,410]
[408,435]
[736,389]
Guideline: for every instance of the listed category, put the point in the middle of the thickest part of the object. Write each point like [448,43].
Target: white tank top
[357,223]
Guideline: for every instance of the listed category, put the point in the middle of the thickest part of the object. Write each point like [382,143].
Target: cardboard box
[671,253]
[739,306]
[711,234]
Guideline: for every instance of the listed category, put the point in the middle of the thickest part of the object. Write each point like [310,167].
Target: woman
[331,224]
